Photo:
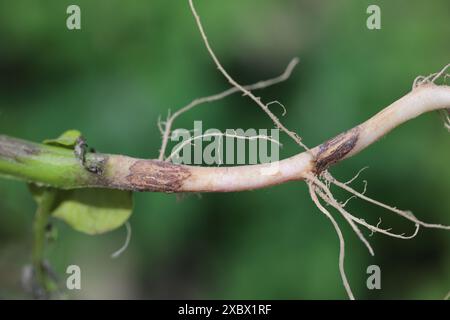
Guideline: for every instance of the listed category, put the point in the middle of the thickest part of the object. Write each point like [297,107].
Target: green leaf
[94,211]
[91,211]
[67,140]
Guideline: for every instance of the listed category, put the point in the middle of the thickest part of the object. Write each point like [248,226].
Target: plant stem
[60,168]
[45,203]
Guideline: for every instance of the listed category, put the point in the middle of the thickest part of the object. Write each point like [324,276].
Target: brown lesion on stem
[155,175]
[335,149]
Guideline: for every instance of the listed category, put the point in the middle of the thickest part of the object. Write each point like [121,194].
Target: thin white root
[323,191]
[160,125]
[446,118]
[417,81]
[350,221]
[357,175]
[348,200]
[341,240]
[378,224]
[234,83]
[432,78]
[338,206]
[216,97]
[125,245]
[353,196]
[440,73]
[362,222]
[280,104]
[406,214]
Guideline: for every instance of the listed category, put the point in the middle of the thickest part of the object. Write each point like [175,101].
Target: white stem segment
[151,175]
[420,100]
[423,99]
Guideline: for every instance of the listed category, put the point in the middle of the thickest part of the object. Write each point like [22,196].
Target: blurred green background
[134,60]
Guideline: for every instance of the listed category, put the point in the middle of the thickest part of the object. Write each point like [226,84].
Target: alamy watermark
[231,147]
[73,21]
[73,281]
[374,20]
[374,278]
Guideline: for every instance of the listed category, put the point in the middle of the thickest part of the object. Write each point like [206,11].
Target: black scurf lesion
[335,149]
[95,163]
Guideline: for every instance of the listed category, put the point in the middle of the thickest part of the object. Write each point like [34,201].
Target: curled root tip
[432,78]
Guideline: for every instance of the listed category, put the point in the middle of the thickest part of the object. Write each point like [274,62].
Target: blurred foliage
[134,60]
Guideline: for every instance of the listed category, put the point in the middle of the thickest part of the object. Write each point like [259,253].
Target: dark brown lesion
[158,176]
[334,150]
[95,163]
